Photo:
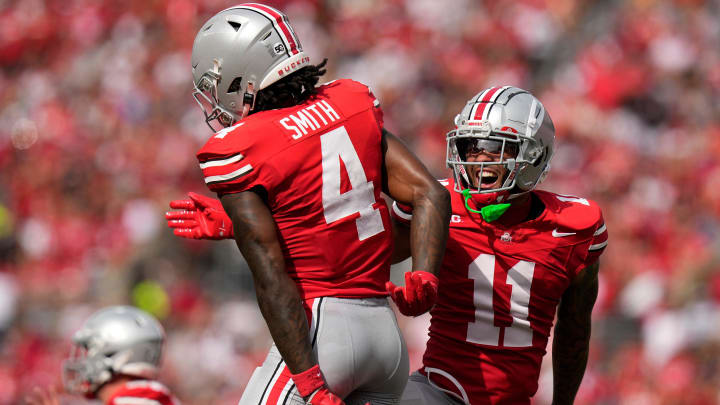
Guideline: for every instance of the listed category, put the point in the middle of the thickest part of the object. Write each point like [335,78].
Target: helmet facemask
[478,137]
[205,93]
[86,369]
[77,375]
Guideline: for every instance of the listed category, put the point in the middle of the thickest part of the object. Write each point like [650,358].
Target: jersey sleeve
[595,239]
[578,222]
[230,165]
[598,243]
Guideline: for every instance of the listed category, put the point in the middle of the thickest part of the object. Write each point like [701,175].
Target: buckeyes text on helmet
[238,52]
[514,117]
[118,340]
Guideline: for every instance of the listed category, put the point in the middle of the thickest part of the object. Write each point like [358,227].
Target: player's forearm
[281,306]
[429,227]
[571,346]
[401,241]
[277,294]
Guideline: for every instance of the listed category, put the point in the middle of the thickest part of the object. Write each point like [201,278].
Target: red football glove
[418,295]
[199,217]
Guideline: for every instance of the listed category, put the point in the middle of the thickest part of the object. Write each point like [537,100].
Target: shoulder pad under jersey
[571,212]
[229,160]
[347,91]
[579,215]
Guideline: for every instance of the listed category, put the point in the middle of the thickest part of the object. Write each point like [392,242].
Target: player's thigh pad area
[360,351]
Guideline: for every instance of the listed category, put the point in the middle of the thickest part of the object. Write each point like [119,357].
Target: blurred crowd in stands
[98,131]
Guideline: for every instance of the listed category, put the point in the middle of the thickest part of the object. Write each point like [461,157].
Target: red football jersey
[498,294]
[320,164]
[143,392]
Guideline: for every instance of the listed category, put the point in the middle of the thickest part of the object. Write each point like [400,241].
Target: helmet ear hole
[540,158]
[235,85]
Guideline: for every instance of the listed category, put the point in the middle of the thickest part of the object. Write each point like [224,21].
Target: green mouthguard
[489,212]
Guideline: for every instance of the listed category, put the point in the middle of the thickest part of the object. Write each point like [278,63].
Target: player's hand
[199,217]
[418,295]
[41,396]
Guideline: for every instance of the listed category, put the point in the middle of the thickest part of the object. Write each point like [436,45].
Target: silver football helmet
[238,52]
[504,119]
[115,340]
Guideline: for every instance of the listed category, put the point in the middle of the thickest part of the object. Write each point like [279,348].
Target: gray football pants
[420,391]
[360,351]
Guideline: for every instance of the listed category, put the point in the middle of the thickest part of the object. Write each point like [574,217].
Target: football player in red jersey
[115,359]
[514,256]
[299,169]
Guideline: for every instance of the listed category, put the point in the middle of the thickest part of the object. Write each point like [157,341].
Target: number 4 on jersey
[336,145]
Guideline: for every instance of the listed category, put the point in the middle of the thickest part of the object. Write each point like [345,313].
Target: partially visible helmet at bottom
[119,340]
[518,122]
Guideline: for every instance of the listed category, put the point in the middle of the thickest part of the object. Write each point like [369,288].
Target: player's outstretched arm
[199,217]
[277,294]
[406,180]
[571,342]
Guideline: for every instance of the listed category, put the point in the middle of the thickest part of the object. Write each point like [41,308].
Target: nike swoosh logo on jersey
[557,234]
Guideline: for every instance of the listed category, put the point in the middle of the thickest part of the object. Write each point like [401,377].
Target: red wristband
[309,380]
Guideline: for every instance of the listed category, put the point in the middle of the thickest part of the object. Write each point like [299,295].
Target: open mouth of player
[488,179]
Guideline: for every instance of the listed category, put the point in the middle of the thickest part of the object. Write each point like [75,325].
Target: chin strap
[489,212]
[248,100]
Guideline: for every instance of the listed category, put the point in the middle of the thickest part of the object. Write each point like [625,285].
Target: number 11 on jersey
[483,331]
[336,145]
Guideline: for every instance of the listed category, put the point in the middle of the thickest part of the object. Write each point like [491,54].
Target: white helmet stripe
[482,103]
[473,110]
[491,100]
[489,96]
[279,22]
[477,102]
